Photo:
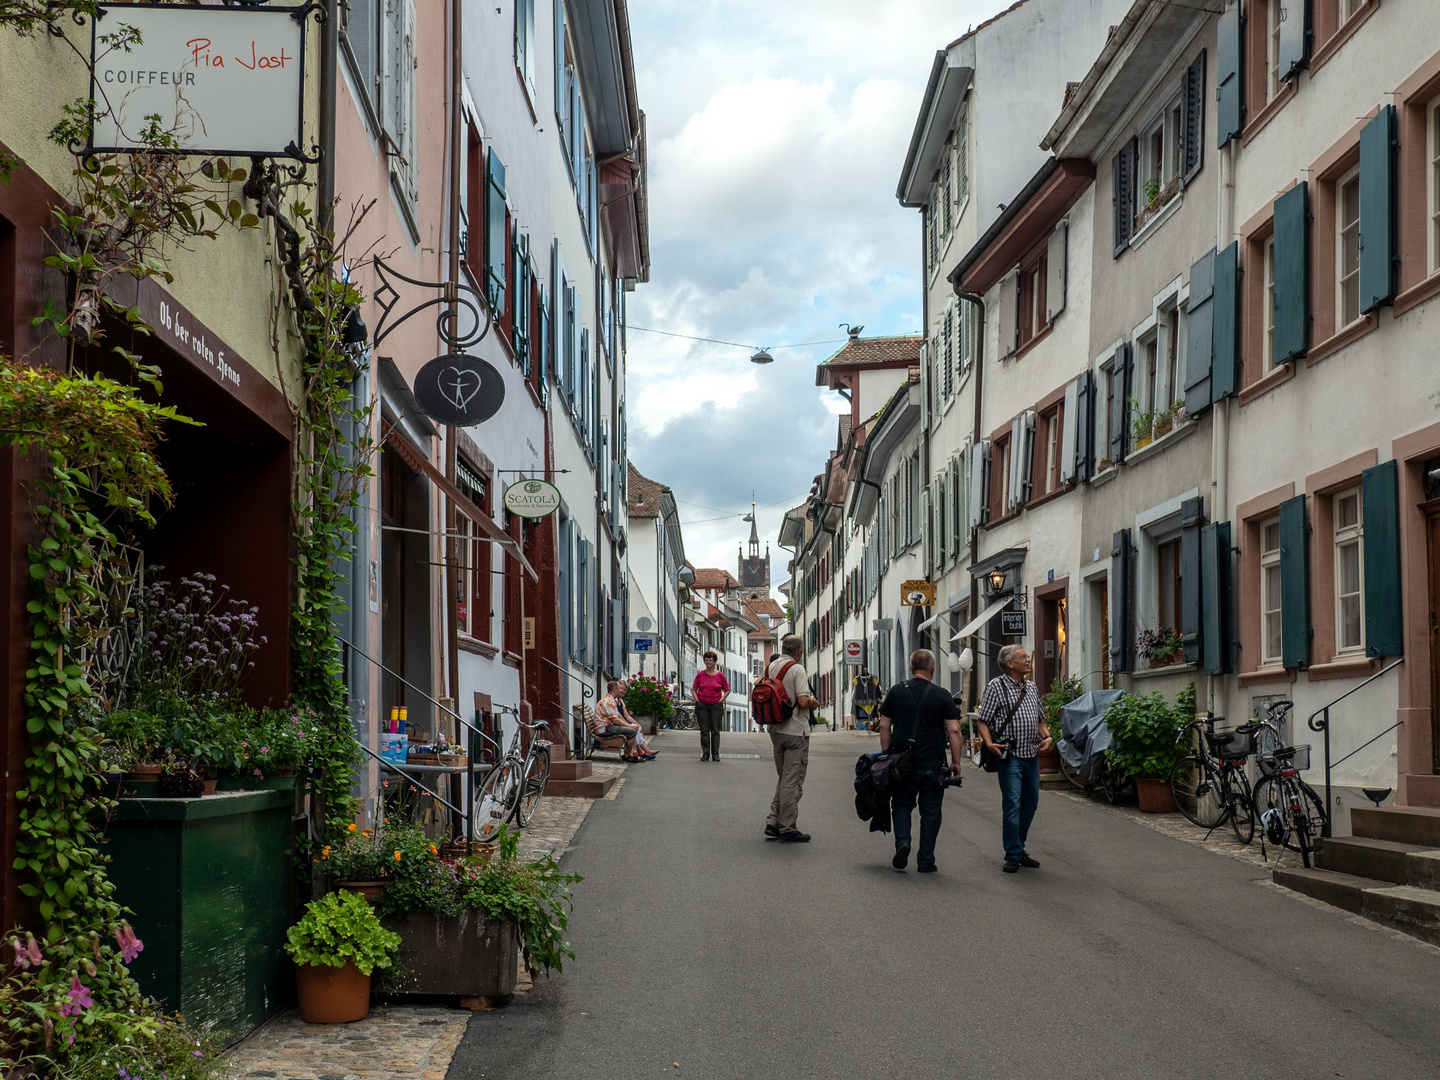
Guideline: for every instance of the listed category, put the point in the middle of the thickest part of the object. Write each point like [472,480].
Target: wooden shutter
[1193,123]
[543,348]
[1377,211]
[1216,643]
[1192,520]
[520,336]
[1007,324]
[1068,441]
[927,386]
[1027,457]
[1122,193]
[1013,497]
[979,484]
[1120,370]
[1055,272]
[1084,424]
[962,500]
[1199,333]
[1292,273]
[1294,584]
[1225,337]
[1122,602]
[1229,100]
[1294,36]
[497,247]
[558,25]
[1380,507]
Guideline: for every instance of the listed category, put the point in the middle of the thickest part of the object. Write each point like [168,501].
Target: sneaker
[902,856]
[1011,866]
[1027,861]
[704,757]
[794,836]
[771,832]
[926,869]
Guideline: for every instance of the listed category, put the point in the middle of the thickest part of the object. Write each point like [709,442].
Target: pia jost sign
[533,499]
[459,389]
[223,80]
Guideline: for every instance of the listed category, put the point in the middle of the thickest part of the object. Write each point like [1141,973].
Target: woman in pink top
[710,689]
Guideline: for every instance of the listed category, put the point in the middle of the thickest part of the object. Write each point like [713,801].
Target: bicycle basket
[1296,757]
[1237,743]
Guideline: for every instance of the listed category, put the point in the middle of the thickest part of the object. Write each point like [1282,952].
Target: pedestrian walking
[922,719]
[1012,728]
[710,689]
[790,741]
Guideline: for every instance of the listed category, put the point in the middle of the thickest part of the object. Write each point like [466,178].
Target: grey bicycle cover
[1083,734]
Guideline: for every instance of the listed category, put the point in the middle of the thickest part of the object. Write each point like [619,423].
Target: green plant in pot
[1145,741]
[1160,647]
[649,697]
[1062,691]
[1142,422]
[336,947]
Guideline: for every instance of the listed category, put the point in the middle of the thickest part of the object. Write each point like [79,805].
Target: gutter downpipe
[452,618]
[979,303]
[1220,424]
[329,77]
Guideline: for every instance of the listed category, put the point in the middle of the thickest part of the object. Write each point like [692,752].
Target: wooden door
[1432,555]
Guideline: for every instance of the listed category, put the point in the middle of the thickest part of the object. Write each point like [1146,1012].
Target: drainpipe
[452,617]
[1220,421]
[329,75]
[979,303]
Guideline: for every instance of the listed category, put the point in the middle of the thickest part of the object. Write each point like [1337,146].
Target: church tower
[754,568]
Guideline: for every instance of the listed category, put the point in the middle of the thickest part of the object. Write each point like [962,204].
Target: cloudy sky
[777,130]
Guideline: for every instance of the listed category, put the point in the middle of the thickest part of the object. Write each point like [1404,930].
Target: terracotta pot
[1155,796]
[368,889]
[1161,430]
[331,995]
[210,786]
[1142,443]
[1167,661]
[1050,760]
[143,773]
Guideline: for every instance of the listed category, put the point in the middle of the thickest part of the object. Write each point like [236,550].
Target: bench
[587,743]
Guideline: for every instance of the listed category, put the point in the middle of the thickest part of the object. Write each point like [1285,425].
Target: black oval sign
[459,389]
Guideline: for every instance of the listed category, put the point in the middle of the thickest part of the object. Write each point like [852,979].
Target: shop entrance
[1051,630]
[1432,562]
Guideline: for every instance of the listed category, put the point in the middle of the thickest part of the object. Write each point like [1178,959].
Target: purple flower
[130,945]
[80,999]
[27,955]
[259,773]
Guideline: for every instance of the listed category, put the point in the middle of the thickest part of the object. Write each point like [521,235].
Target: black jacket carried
[877,776]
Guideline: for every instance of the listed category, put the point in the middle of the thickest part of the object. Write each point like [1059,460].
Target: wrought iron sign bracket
[454,296]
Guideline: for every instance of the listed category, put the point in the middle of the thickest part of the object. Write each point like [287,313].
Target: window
[1268,305]
[1271,625]
[949,358]
[1347,249]
[1150,353]
[962,159]
[1162,157]
[1167,584]
[472,591]
[360,31]
[1051,422]
[1349,8]
[1273,83]
[1172,388]
[1000,483]
[945,190]
[1433,151]
[1349,580]
[1031,309]
[525,57]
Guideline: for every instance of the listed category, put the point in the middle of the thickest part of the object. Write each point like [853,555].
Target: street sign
[1012,624]
[883,624]
[644,643]
[917,592]
[854,650]
[533,499]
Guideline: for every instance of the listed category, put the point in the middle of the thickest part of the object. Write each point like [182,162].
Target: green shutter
[1292,273]
[1122,602]
[497,251]
[1380,506]
[1216,639]
[1294,36]
[1200,334]
[1192,519]
[1294,584]
[1226,324]
[1377,211]
[1230,105]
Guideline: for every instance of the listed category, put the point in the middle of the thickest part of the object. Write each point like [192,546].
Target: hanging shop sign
[1012,624]
[222,80]
[459,389]
[532,498]
[917,592]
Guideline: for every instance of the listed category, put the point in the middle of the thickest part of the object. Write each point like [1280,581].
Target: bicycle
[1209,786]
[512,789]
[1291,812]
[684,718]
[1107,780]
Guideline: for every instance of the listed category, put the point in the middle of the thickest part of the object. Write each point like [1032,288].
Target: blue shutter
[1192,134]
[1192,519]
[558,24]
[1377,211]
[1122,372]
[1225,335]
[1199,334]
[1380,505]
[1122,194]
[567,580]
[1292,273]
[497,250]
[1216,644]
[542,348]
[1230,101]
[1294,36]
[1294,584]
[1084,421]
[1122,602]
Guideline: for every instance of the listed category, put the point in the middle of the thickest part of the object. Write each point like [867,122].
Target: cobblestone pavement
[401,1041]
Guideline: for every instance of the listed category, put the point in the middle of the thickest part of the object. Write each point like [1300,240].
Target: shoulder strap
[999,733]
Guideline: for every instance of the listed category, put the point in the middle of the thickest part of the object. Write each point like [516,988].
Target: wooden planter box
[209,882]
[467,955]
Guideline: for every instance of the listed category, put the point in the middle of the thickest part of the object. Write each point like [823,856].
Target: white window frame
[1167,123]
[1272,50]
[1170,363]
[1154,527]
[1344,536]
[1342,279]
[1270,606]
[1145,391]
[1432,141]
[1267,314]
[961,171]
[1349,9]
[1053,423]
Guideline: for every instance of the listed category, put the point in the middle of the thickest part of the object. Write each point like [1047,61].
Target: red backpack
[769,703]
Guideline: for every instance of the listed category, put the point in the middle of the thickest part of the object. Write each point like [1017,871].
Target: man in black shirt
[922,717]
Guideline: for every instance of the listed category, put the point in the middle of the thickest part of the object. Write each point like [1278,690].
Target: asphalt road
[1128,954]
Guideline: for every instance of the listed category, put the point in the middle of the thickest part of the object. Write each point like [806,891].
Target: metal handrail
[586,691]
[1323,725]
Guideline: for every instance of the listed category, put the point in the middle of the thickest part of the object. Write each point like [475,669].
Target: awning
[483,521]
[938,615]
[981,619]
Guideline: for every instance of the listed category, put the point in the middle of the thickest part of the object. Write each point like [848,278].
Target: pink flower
[259,773]
[27,955]
[130,945]
[80,999]
[264,749]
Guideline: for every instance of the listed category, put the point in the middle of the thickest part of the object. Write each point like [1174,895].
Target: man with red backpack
[789,736]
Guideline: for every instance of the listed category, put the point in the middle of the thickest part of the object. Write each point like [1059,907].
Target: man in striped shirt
[1012,726]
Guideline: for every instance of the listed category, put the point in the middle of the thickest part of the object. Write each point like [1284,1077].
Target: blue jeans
[927,790]
[1020,795]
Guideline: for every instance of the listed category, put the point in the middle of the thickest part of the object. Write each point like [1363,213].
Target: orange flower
[397,856]
[352,827]
[434,850]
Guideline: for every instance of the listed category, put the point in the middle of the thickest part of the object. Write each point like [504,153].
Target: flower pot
[140,781]
[465,955]
[370,890]
[1102,464]
[1166,661]
[331,995]
[1141,443]
[210,786]
[1050,760]
[1161,430]
[1155,797]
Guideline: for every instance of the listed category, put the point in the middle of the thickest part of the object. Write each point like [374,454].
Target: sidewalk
[414,1042]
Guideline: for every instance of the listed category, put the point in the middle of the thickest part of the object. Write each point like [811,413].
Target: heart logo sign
[459,390]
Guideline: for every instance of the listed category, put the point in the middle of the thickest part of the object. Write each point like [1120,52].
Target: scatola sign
[532,498]
[223,80]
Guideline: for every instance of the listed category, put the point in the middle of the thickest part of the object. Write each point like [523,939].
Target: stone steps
[589,787]
[1418,825]
[1382,860]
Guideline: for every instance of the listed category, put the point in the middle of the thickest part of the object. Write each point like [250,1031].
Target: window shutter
[1380,505]
[961,512]
[1292,273]
[1294,584]
[1084,425]
[927,527]
[1192,519]
[1122,603]
[927,384]
[1294,36]
[1122,194]
[1193,124]
[1068,442]
[1225,351]
[1055,272]
[557,312]
[1377,211]
[1013,497]
[1229,101]
[1216,644]
[496,245]
[1007,325]
[542,348]
[1120,404]
[979,484]
[1027,458]
[1199,333]
[558,24]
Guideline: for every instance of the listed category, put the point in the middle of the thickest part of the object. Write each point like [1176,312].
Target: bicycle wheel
[1113,783]
[495,800]
[1242,814]
[1069,772]
[537,771]
[1196,791]
[1270,794]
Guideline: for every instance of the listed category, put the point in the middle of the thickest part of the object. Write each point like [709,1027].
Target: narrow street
[1128,953]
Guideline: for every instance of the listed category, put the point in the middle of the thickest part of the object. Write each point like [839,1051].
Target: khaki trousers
[792,755]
